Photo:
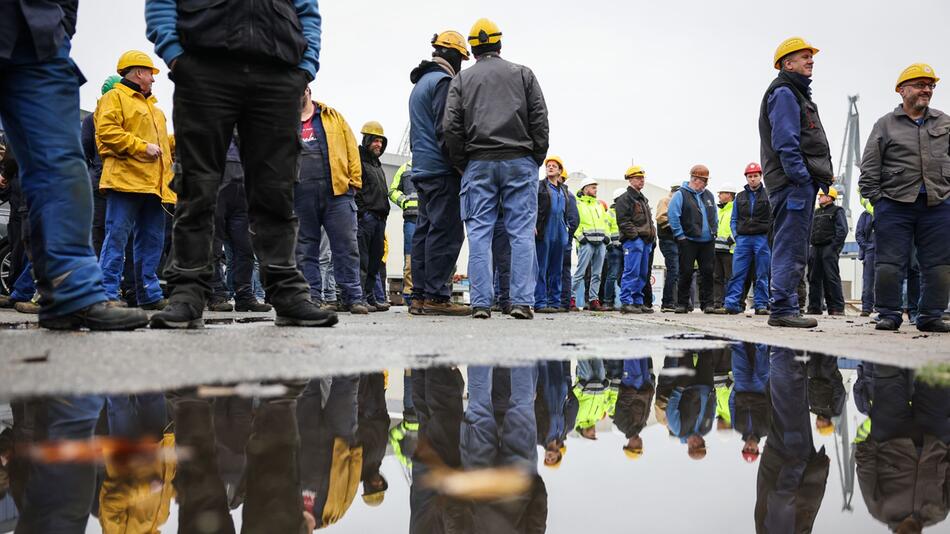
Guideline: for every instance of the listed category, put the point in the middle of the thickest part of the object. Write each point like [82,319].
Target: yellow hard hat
[792,44]
[484,32]
[135,58]
[832,192]
[374,499]
[917,70]
[560,162]
[372,128]
[633,454]
[634,170]
[451,39]
[826,430]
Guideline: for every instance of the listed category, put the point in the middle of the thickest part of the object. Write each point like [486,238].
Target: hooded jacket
[426,112]
[126,122]
[634,219]
[692,215]
[373,197]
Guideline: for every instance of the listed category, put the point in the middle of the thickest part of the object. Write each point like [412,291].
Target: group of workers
[251,176]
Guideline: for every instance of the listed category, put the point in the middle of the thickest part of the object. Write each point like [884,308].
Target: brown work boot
[27,306]
[444,307]
[594,305]
[416,306]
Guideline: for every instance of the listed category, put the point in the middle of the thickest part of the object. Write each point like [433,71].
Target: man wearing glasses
[905,173]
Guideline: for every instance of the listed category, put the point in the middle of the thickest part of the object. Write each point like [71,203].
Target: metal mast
[404,148]
[850,156]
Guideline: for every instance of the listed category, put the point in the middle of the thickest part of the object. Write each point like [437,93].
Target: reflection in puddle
[776,440]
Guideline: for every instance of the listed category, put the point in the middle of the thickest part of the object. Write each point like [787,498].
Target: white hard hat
[727,188]
[619,191]
[588,181]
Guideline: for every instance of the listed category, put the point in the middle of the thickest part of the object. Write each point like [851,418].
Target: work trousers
[751,251]
[39,108]
[614,272]
[750,367]
[501,264]
[671,259]
[141,215]
[588,255]
[324,215]
[514,184]
[722,273]
[371,234]
[550,252]
[898,225]
[212,95]
[824,279]
[328,289]
[691,252]
[867,280]
[231,226]
[566,277]
[636,271]
[408,230]
[24,287]
[903,407]
[793,208]
[438,237]
[483,443]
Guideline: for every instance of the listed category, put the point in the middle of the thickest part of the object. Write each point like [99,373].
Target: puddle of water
[747,432]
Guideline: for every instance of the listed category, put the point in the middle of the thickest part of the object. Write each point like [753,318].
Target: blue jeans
[482,443]
[141,215]
[137,416]
[614,271]
[793,208]
[24,287]
[39,108]
[636,271]
[514,183]
[501,264]
[327,280]
[591,370]
[588,255]
[898,225]
[318,208]
[547,292]
[671,257]
[750,371]
[750,248]
[636,373]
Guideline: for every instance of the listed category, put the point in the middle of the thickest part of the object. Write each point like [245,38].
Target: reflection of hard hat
[586,182]
[135,58]
[634,170]
[619,191]
[826,430]
[633,454]
[750,456]
[792,44]
[699,171]
[372,128]
[753,168]
[727,188]
[451,39]
[374,499]
[917,70]
[484,32]
[560,162]
[832,192]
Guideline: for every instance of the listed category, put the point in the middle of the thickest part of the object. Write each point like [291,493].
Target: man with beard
[372,207]
[904,173]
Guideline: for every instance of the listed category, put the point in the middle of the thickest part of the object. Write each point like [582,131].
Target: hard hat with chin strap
[484,32]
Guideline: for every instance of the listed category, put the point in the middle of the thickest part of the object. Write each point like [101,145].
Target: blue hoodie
[675,210]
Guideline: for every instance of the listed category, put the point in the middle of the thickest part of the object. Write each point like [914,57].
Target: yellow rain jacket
[345,473]
[127,121]
[346,171]
[137,502]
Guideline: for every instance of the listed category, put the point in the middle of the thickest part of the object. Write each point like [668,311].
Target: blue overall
[636,373]
[547,293]
[142,216]
[636,270]
[793,208]
[24,286]
[749,249]
[514,183]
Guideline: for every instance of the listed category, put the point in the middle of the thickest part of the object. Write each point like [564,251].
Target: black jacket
[752,219]
[48,24]
[633,409]
[373,197]
[830,227]
[634,218]
[544,207]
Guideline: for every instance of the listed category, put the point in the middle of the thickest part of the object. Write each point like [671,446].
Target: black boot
[251,306]
[304,313]
[793,321]
[99,316]
[177,315]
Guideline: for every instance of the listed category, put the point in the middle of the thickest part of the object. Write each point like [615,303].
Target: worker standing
[797,161]
[592,238]
[438,235]
[828,233]
[402,193]
[670,251]
[751,217]
[372,210]
[904,173]
[496,130]
[725,244]
[864,235]
[614,259]
[551,236]
[693,220]
[637,235]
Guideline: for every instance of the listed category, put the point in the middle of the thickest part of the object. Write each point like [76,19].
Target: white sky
[668,84]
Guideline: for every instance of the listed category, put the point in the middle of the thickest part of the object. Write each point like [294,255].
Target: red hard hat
[750,457]
[753,167]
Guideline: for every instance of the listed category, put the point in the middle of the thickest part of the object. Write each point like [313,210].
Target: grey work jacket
[900,156]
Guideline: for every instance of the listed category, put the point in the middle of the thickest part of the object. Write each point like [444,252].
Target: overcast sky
[667,84]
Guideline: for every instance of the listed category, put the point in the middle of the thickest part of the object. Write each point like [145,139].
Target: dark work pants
[793,208]
[904,408]
[824,279]
[615,267]
[721,275]
[566,278]
[911,285]
[648,287]
[501,264]
[231,226]
[263,100]
[670,251]
[867,281]
[438,237]
[691,252]
[371,233]
[898,225]
[98,221]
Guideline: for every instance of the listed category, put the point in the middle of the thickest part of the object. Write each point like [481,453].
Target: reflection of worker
[826,391]
[692,402]
[372,433]
[748,402]
[633,403]
[552,409]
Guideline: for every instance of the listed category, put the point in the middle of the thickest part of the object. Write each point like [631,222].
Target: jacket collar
[132,89]
[931,113]
[802,83]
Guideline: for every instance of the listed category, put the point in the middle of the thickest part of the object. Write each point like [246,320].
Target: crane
[850,155]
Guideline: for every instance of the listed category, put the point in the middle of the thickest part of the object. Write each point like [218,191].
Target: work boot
[117,303]
[157,305]
[680,310]
[573,306]
[594,305]
[886,324]
[481,313]
[561,310]
[5,302]
[647,309]
[329,305]
[812,312]
[304,313]
[762,311]
[546,309]
[445,307]
[416,306]
[356,308]
[865,314]
[630,308]
[220,306]
[733,311]
[522,312]
[27,306]
[793,321]
[177,315]
[370,306]
[99,316]
[715,311]
[937,325]
[506,308]
[607,308]
[382,306]
[253,305]
[667,309]
[836,312]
